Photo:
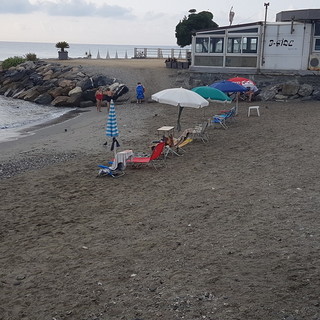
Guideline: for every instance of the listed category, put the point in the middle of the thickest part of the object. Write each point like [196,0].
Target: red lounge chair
[156,153]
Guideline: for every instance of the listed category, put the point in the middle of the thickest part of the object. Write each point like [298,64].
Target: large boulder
[66,83]
[268,93]
[316,94]
[120,91]
[305,90]
[47,75]
[60,101]
[31,94]
[290,88]
[44,99]
[28,65]
[100,81]
[36,78]
[15,75]
[85,84]
[75,90]
[89,95]
[65,101]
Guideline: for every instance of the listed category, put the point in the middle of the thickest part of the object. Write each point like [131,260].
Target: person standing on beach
[109,94]
[99,98]
[140,92]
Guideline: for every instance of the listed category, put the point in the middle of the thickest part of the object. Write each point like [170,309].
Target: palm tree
[62,45]
[63,55]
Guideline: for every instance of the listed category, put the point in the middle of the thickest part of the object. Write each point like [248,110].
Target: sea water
[17,115]
[49,51]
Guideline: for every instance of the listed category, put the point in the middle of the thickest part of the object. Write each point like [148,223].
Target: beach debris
[84,247]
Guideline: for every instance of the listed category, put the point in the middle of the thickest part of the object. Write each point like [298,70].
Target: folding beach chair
[200,132]
[224,117]
[175,145]
[153,159]
[114,173]
[117,166]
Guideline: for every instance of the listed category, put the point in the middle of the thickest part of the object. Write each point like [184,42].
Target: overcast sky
[127,22]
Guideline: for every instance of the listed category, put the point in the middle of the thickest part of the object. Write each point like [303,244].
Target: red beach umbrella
[241,80]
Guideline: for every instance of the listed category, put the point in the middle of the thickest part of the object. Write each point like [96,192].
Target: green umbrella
[212,94]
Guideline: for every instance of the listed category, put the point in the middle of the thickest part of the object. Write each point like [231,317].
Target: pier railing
[159,53]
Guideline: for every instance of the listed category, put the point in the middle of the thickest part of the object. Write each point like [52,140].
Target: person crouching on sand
[109,94]
[99,98]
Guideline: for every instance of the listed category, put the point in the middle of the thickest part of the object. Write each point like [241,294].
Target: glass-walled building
[280,45]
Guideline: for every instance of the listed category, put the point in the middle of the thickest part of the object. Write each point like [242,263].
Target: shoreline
[65,117]
[15,133]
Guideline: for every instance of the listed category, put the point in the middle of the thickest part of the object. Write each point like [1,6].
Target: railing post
[135,52]
[172,53]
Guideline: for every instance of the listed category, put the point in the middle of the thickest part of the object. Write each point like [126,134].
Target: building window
[317,29]
[234,45]
[216,45]
[243,45]
[202,45]
[249,44]
[317,44]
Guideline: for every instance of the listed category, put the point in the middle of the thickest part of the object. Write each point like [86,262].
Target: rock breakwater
[51,83]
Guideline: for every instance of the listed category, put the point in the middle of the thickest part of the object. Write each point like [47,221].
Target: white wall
[286,50]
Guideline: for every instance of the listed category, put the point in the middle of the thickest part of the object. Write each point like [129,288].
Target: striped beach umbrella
[112,127]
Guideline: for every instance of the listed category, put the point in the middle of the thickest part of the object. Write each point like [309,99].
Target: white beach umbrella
[180,97]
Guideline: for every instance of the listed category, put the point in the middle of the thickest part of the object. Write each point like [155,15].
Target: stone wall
[273,87]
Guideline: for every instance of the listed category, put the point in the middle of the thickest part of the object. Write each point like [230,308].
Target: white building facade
[292,43]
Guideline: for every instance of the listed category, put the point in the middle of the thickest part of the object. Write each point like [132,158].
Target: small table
[166,131]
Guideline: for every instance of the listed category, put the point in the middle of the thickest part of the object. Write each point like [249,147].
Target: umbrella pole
[179,115]
[237,103]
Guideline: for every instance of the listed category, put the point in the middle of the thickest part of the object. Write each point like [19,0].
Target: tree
[195,22]
[62,45]
[63,55]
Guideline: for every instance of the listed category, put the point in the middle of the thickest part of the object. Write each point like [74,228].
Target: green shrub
[12,62]
[31,57]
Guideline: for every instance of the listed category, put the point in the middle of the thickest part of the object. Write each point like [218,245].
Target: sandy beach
[230,230]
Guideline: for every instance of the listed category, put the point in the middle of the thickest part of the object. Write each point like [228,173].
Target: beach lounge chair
[224,117]
[175,145]
[114,173]
[200,132]
[154,158]
[117,166]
